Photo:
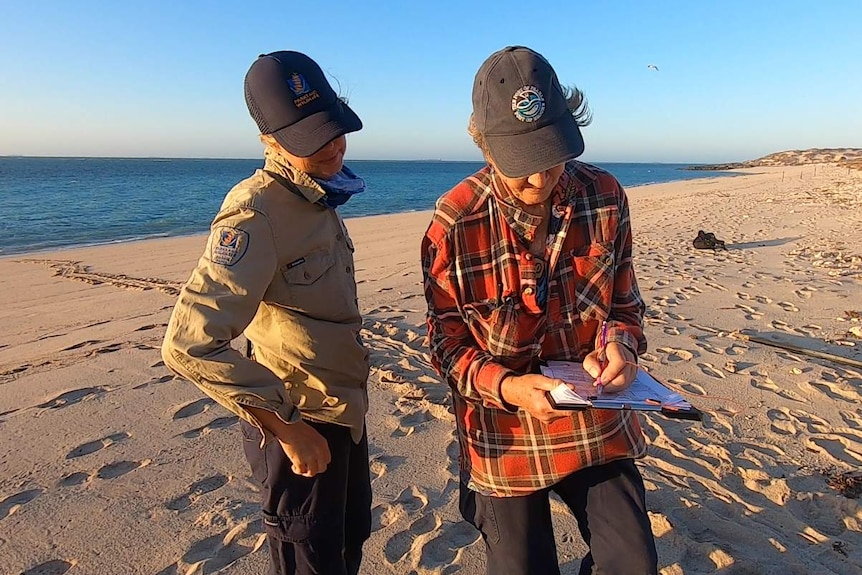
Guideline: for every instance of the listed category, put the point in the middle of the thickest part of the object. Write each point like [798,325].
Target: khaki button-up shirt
[278,266]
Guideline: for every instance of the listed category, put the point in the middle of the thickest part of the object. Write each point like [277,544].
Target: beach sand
[109,465]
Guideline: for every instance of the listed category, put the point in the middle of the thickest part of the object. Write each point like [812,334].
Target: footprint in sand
[805,292]
[767,384]
[94,446]
[715,286]
[681,295]
[151,326]
[787,306]
[781,325]
[77,478]
[710,348]
[53,567]
[217,423]
[13,503]
[445,549]
[215,554]
[795,421]
[400,544]
[120,468]
[676,316]
[407,423]
[195,490]
[836,447]
[82,344]
[735,349]
[670,330]
[674,354]
[704,328]
[749,312]
[838,391]
[193,408]
[380,465]
[823,512]
[687,386]
[411,500]
[163,379]
[851,418]
[810,329]
[711,370]
[73,397]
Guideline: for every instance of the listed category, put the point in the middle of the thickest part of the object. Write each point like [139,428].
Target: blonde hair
[576,102]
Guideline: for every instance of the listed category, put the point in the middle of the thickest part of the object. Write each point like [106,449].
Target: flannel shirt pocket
[594,280]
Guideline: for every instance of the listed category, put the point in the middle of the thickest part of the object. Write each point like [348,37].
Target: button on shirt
[485,322]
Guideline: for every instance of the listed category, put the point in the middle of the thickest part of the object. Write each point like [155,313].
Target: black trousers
[608,502]
[314,525]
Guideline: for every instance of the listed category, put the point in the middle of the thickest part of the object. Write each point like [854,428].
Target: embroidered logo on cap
[228,245]
[528,104]
[298,84]
[300,88]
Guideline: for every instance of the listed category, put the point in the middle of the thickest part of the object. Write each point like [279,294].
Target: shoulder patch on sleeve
[228,245]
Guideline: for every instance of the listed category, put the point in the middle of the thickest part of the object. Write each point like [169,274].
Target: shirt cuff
[286,412]
[625,338]
[494,374]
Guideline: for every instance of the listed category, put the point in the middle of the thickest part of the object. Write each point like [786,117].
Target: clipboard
[646,393]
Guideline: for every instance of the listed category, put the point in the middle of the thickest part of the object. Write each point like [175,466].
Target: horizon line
[436,160]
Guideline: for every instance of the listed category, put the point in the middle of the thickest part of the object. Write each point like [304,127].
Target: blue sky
[736,80]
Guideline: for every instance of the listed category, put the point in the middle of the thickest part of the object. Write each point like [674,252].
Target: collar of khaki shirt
[310,189]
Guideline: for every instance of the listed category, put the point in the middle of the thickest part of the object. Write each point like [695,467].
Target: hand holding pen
[611,363]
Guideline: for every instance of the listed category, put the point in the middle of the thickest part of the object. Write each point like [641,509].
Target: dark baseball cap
[520,109]
[289,97]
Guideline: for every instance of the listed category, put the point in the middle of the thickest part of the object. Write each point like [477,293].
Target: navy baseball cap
[289,97]
[520,109]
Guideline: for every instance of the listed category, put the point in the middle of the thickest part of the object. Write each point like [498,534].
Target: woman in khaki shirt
[278,266]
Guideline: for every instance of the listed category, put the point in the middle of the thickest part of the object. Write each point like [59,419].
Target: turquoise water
[50,203]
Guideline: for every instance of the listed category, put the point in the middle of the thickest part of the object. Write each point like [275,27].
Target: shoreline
[26,252]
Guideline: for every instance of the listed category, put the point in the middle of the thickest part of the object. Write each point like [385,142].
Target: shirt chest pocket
[308,270]
[593,268]
[308,286]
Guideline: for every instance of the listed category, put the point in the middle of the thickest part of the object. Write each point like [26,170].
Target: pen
[603,355]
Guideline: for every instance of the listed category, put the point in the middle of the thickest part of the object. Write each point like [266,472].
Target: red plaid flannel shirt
[485,322]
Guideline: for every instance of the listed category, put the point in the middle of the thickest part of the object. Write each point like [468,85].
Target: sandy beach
[110,465]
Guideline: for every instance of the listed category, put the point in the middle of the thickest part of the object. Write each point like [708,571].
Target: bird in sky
[652,67]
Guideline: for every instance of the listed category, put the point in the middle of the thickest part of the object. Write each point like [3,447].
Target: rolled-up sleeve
[217,303]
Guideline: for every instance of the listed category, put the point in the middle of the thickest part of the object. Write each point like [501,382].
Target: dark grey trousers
[314,525]
[608,502]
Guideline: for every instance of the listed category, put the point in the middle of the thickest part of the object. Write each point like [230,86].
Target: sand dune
[111,465]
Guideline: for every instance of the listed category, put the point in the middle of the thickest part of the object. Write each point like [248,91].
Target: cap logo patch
[228,245]
[300,88]
[528,104]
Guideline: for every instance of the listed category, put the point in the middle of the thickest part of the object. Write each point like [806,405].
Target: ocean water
[49,203]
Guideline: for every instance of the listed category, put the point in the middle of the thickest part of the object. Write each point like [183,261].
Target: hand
[528,393]
[613,367]
[305,447]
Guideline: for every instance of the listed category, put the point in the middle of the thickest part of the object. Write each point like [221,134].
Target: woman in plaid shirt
[529,259]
